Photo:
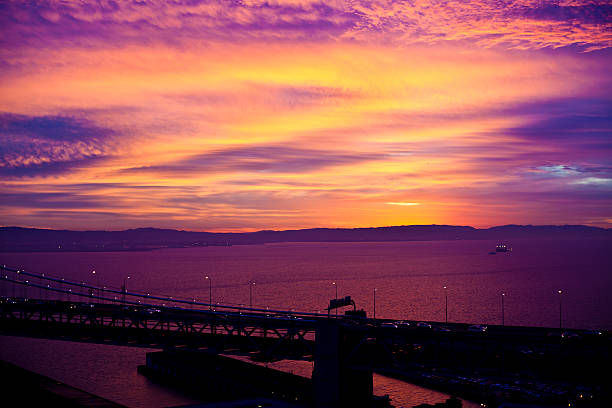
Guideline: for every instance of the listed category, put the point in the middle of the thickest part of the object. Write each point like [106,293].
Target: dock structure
[345,349]
[215,377]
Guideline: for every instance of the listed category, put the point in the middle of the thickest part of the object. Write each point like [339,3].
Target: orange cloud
[386,105]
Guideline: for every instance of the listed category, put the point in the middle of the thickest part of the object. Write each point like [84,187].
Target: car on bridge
[477,328]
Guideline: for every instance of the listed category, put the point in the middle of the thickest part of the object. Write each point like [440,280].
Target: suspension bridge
[344,349]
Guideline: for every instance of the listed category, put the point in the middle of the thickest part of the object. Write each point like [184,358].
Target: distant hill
[32,239]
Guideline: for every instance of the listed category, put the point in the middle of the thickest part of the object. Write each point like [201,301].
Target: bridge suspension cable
[142,299]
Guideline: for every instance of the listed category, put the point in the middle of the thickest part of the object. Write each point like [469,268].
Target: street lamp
[503,295]
[560,321]
[209,292]
[445,305]
[251,284]
[40,286]
[125,287]
[336,287]
[97,277]
[375,290]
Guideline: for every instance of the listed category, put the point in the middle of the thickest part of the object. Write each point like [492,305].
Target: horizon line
[306,228]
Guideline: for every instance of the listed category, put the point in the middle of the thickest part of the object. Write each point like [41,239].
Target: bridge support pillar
[335,382]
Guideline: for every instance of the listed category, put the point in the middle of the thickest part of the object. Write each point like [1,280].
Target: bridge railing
[20,278]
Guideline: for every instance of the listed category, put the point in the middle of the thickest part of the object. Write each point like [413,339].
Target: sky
[287,114]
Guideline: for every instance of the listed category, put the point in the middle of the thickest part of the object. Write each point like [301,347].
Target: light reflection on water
[402,394]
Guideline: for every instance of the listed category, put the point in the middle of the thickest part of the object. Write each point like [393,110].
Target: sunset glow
[248,115]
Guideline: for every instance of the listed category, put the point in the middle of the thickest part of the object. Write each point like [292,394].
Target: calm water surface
[409,278]
[107,371]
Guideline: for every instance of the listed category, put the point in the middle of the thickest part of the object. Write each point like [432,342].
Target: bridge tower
[337,380]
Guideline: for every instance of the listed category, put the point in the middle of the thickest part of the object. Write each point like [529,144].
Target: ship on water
[503,248]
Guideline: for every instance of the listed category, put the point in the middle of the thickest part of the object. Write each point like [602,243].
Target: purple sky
[246,115]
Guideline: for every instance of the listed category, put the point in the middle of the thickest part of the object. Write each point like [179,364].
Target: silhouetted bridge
[344,349]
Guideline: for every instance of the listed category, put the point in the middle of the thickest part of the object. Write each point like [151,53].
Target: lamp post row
[252,284]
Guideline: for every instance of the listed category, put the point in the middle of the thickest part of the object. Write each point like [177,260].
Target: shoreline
[28,388]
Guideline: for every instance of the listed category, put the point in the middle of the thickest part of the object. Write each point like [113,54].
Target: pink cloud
[525,24]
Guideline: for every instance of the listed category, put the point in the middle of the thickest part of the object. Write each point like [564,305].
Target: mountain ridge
[35,239]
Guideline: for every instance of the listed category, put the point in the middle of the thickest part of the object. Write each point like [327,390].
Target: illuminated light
[404,204]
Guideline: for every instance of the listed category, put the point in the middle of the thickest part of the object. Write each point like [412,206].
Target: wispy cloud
[38,145]
[273,159]
[524,24]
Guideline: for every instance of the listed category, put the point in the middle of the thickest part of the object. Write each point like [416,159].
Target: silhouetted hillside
[31,239]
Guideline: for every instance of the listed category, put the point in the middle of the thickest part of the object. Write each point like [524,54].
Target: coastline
[28,388]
